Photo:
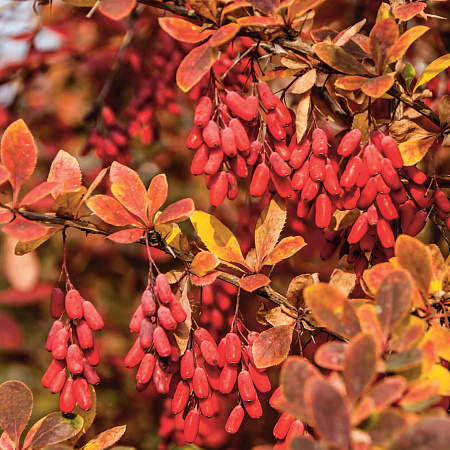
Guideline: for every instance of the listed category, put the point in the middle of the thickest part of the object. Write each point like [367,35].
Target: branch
[155,241]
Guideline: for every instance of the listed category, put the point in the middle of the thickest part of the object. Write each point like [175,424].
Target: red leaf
[126,236]
[10,333]
[253,282]
[156,194]
[378,86]
[195,65]
[39,192]
[65,170]
[339,59]
[3,174]
[225,34]
[184,31]
[16,403]
[408,10]
[260,22]
[207,279]
[116,9]
[177,212]
[128,188]
[110,211]
[24,229]
[5,215]
[331,355]
[327,409]
[6,443]
[18,154]
[381,39]
[272,346]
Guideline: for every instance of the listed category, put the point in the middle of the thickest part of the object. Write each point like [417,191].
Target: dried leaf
[205,8]
[203,263]
[126,236]
[195,65]
[339,59]
[305,82]
[433,69]
[332,309]
[343,276]
[343,219]
[279,316]
[285,249]
[327,410]
[183,331]
[294,294]
[382,38]
[184,31]
[16,404]
[68,202]
[116,9]
[443,111]
[65,171]
[18,154]
[272,346]
[378,86]
[157,192]
[22,248]
[404,42]
[106,439]
[302,115]
[269,226]
[110,211]
[176,212]
[24,230]
[331,355]
[253,282]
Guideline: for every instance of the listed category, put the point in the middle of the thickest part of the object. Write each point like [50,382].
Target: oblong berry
[145,371]
[163,289]
[73,304]
[165,318]
[209,352]
[246,387]
[319,143]
[58,382]
[135,354]
[323,211]
[146,333]
[84,334]
[187,367]
[148,303]
[254,408]
[57,325]
[219,189]
[74,359]
[82,393]
[60,344]
[56,303]
[203,112]
[67,397]
[181,397]
[191,425]
[92,316]
[349,143]
[228,378]
[235,420]
[260,180]
[200,383]
[232,348]
[53,369]
[161,342]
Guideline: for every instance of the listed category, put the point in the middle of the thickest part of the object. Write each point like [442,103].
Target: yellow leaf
[413,151]
[203,263]
[441,374]
[433,69]
[286,248]
[441,338]
[217,237]
[404,42]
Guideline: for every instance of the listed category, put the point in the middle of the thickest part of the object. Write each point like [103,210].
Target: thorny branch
[155,241]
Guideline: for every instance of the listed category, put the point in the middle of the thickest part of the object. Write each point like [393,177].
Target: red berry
[390,175]
[392,152]
[92,355]
[228,378]
[442,201]
[260,379]
[73,304]
[191,426]
[228,142]
[148,303]
[200,159]
[200,383]
[331,182]
[255,151]
[203,112]
[207,406]
[282,426]
[232,186]
[317,167]
[421,195]
[145,371]
[84,334]
[284,116]
[280,166]
[254,408]
[246,387]
[163,289]
[146,333]
[187,367]
[281,148]
[219,189]
[385,234]
[181,397]
[56,303]
[214,162]
[67,397]
[323,211]
[234,420]
[82,394]
[310,190]
[194,139]
[59,346]
[299,154]
[417,223]
[368,194]
[319,142]
[372,158]
[54,368]
[161,378]
[58,382]
[232,348]
[359,229]
[161,342]
[349,143]
[386,207]
[135,354]
[266,96]
[74,359]
[92,317]
[282,185]
[177,310]
[240,135]
[414,174]
[213,375]
[303,209]
[57,325]
[274,126]
[89,373]
[136,320]
[351,172]
[363,176]
[350,198]
[209,352]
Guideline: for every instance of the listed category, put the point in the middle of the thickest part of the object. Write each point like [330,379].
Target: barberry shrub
[322,150]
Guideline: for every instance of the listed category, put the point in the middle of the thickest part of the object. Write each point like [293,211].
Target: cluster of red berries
[73,349]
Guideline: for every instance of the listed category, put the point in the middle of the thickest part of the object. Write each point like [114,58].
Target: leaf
[415,257]
[374,276]
[5,216]
[98,179]
[399,362]
[172,234]
[303,443]
[387,391]
[183,331]
[387,425]
[38,193]
[433,69]
[195,66]
[260,22]
[413,151]
[116,9]
[206,8]
[106,439]
[87,416]
[409,72]
[394,299]
[3,174]
[65,171]
[382,38]
[126,236]
[269,226]
[253,282]
[441,374]
[285,249]
[22,248]
[408,336]
[343,219]
[331,355]
[327,409]
[266,6]
[16,404]
[24,229]
[203,263]
[279,316]
[443,112]
[52,429]
[300,7]
[110,211]
[343,276]
[6,442]
[404,42]
[18,154]
[224,34]
[177,212]
[332,309]
[272,346]
[128,188]
[345,35]
[407,11]
[302,115]
[338,59]
[157,191]
[68,202]
[421,395]
[359,364]
[184,31]
[305,82]
[378,86]
[351,83]
[217,237]
[294,294]
[440,336]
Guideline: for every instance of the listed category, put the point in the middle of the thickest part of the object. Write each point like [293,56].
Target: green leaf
[338,59]
[381,39]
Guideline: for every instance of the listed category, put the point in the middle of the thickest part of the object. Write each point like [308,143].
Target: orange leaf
[421,395]
[116,9]
[369,322]
[301,7]
[203,263]
[39,192]
[413,151]
[225,34]
[381,39]
[350,83]
[128,188]
[18,154]
[378,86]
[207,279]
[338,59]
[285,249]
[260,22]
[272,346]
[98,179]
[253,282]
[177,212]
[404,42]
[331,355]
[24,229]
[156,194]
[5,215]
[126,236]
[64,170]
[195,65]
[184,31]
[374,276]
[408,10]
[332,309]
[107,438]
[110,211]
[3,174]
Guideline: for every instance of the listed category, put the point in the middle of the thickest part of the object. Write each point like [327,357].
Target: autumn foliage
[282,186]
